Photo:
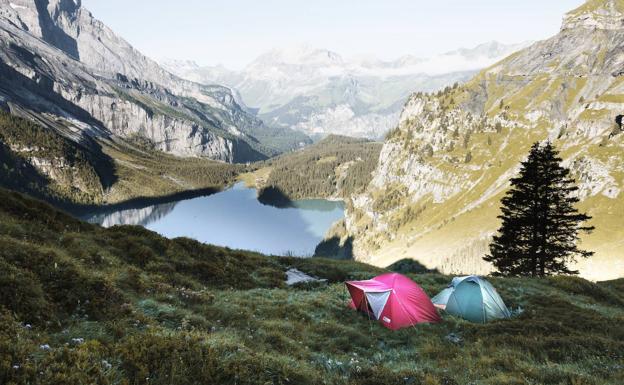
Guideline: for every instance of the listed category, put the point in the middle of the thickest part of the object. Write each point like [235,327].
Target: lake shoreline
[80,211]
[232,217]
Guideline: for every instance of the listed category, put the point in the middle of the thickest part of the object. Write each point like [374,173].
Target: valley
[169,223]
[83,128]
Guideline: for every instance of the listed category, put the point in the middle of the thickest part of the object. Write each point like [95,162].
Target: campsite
[229,317]
[353,192]
[399,302]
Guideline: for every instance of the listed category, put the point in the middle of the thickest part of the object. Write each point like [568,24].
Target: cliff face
[435,194]
[60,63]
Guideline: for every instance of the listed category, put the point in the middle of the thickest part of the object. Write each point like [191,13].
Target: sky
[234,32]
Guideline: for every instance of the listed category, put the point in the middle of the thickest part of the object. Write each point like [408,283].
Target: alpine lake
[233,218]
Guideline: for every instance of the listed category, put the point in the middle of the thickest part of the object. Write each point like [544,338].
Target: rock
[294,276]
[426,203]
[454,338]
[67,70]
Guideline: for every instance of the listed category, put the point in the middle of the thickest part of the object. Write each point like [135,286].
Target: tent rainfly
[393,299]
[472,298]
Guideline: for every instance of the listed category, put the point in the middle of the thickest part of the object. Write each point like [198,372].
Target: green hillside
[53,165]
[80,304]
[335,167]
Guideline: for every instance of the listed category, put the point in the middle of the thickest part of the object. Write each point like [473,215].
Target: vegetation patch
[83,304]
[335,167]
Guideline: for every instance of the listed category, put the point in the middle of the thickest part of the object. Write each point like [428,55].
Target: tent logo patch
[386,319]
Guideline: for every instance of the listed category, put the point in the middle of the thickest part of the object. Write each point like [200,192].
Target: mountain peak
[300,54]
[596,14]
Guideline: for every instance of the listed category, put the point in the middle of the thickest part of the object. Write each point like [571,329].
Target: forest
[335,167]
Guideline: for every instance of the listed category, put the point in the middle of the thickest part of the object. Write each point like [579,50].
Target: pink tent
[393,299]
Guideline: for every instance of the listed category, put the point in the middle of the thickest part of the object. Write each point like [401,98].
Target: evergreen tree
[540,226]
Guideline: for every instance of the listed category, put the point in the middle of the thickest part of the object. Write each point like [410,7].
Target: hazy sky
[234,32]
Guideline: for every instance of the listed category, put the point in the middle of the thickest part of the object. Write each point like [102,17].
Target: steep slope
[41,163]
[60,63]
[320,92]
[81,304]
[435,194]
[70,173]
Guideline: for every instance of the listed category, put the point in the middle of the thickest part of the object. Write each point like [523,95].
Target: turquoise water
[235,218]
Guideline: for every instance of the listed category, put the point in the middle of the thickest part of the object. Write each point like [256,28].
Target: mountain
[72,76]
[58,60]
[435,194]
[319,92]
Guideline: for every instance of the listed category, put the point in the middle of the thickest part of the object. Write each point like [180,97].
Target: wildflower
[106,364]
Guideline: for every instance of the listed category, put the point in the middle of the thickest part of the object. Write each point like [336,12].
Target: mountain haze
[320,92]
[435,194]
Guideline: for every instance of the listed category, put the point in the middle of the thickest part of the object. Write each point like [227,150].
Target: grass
[81,304]
[256,178]
[595,5]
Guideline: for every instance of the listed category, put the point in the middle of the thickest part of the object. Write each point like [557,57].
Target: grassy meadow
[80,304]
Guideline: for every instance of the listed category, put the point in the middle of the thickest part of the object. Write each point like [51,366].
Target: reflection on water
[236,219]
[140,216]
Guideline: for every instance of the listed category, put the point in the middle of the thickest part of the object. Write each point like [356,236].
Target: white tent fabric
[377,301]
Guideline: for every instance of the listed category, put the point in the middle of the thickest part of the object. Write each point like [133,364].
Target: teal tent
[472,298]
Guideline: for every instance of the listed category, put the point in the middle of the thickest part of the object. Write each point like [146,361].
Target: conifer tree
[540,225]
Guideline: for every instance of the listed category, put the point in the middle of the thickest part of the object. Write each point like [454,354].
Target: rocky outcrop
[435,194]
[596,15]
[57,59]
